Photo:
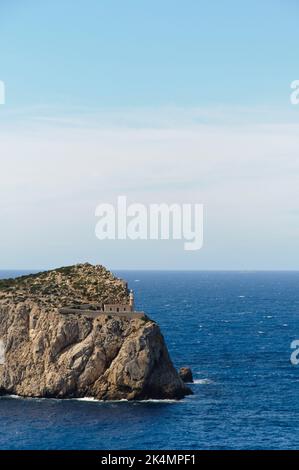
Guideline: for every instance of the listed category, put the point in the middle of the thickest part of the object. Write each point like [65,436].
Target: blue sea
[234,329]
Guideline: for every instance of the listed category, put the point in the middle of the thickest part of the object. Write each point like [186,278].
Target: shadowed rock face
[186,374]
[47,354]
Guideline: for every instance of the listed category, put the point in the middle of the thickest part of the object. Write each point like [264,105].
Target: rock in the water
[186,374]
[83,353]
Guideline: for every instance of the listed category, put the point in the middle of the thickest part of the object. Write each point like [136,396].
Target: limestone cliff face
[48,354]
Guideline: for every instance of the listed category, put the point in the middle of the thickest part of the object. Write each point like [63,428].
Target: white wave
[86,399]
[203,381]
[156,400]
[89,400]
[123,400]
[15,397]
[20,397]
[241,296]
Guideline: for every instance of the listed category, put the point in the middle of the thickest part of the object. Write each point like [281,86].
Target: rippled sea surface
[234,329]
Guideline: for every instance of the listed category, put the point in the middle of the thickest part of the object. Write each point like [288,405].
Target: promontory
[74,332]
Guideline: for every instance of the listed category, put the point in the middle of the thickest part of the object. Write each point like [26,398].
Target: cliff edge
[85,352]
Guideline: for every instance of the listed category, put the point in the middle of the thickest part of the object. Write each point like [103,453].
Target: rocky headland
[44,353]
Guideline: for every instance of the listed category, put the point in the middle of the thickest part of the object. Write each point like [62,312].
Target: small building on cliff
[121,308]
[96,309]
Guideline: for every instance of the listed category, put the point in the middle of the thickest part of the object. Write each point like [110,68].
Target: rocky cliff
[44,353]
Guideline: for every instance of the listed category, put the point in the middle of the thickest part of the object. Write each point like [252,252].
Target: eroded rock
[48,354]
[185,374]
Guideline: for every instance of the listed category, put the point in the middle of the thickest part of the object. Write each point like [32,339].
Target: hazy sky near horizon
[162,102]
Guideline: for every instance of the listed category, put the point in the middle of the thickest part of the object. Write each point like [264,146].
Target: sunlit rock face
[44,353]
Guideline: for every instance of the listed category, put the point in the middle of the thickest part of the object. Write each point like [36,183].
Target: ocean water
[234,329]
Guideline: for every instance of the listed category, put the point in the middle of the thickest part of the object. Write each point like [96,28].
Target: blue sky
[165,101]
[137,53]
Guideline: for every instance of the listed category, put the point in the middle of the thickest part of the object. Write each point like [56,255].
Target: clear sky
[163,101]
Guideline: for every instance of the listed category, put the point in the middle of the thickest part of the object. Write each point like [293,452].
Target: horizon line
[36,270]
